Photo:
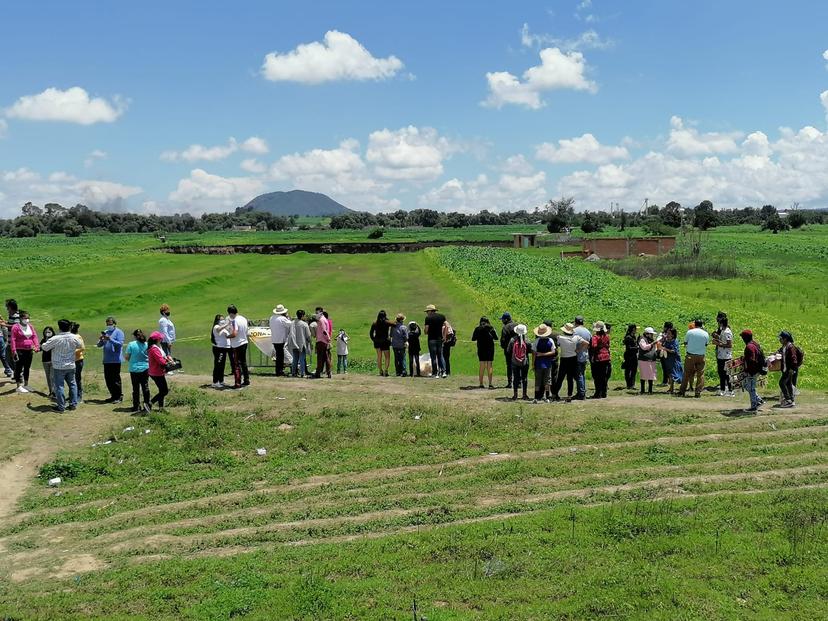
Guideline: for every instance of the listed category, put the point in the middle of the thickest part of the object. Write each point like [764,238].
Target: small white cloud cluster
[584,148]
[338,57]
[557,70]
[196,152]
[73,105]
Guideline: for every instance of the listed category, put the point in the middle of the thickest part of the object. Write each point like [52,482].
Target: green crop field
[377,496]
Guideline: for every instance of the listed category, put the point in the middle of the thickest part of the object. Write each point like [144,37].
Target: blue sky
[450,105]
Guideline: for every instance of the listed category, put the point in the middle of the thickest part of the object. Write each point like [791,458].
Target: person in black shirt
[414,348]
[434,328]
[485,336]
[630,365]
[506,334]
[380,335]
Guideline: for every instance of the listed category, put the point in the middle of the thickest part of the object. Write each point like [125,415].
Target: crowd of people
[556,355]
[63,356]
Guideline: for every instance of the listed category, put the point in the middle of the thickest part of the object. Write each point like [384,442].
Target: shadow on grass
[46,407]
[737,413]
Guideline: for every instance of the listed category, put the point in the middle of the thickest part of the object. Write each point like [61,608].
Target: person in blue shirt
[583,357]
[112,341]
[695,342]
[136,355]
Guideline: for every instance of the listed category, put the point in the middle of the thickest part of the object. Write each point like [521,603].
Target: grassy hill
[295,203]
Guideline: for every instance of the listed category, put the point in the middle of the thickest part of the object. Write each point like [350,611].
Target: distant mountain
[295,202]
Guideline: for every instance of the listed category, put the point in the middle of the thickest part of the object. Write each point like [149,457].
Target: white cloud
[203,192]
[584,148]
[23,185]
[823,97]
[255,145]
[94,156]
[517,165]
[587,40]
[687,141]
[253,165]
[409,153]
[320,162]
[72,106]
[557,70]
[338,57]
[755,172]
[825,57]
[197,152]
[511,192]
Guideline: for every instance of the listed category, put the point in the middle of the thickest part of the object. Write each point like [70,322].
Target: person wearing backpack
[519,349]
[449,341]
[544,356]
[790,365]
[754,364]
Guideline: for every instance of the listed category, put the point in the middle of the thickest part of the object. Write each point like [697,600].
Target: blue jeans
[342,363]
[749,384]
[581,378]
[435,350]
[300,360]
[59,376]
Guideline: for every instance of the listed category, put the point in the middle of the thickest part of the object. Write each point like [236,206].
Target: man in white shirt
[279,331]
[63,346]
[238,347]
[723,338]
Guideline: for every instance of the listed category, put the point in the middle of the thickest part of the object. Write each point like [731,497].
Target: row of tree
[74,221]
[557,215]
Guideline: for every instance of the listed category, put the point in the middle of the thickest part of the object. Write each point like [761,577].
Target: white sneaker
[21,389]
[217,385]
[721,394]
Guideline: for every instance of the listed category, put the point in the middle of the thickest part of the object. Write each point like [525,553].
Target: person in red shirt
[599,358]
[158,367]
[753,359]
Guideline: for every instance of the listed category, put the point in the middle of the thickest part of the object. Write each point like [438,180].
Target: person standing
[48,332]
[630,364]
[112,341]
[13,318]
[665,334]
[647,353]
[695,342]
[449,341]
[399,341]
[790,364]
[753,360]
[238,347]
[280,326]
[80,356]
[342,351]
[136,356]
[435,330]
[380,334]
[299,342]
[158,368]
[24,344]
[675,372]
[414,333]
[519,350]
[5,347]
[63,347]
[485,336]
[569,345]
[323,345]
[167,329]
[599,357]
[544,352]
[723,338]
[220,339]
[583,355]
[507,332]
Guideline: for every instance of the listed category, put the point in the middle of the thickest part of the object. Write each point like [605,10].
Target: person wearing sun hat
[569,345]
[519,350]
[280,326]
[647,354]
[544,351]
[599,358]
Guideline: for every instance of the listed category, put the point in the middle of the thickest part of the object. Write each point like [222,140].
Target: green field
[377,493]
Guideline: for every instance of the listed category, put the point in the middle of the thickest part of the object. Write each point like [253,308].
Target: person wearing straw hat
[280,325]
[599,359]
[647,354]
[519,350]
[569,345]
[544,352]
[435,324]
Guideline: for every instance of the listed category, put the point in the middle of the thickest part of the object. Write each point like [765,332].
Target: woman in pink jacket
[24,344]
[158,367]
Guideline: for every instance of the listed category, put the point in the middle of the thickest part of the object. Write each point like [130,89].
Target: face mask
[25,322]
